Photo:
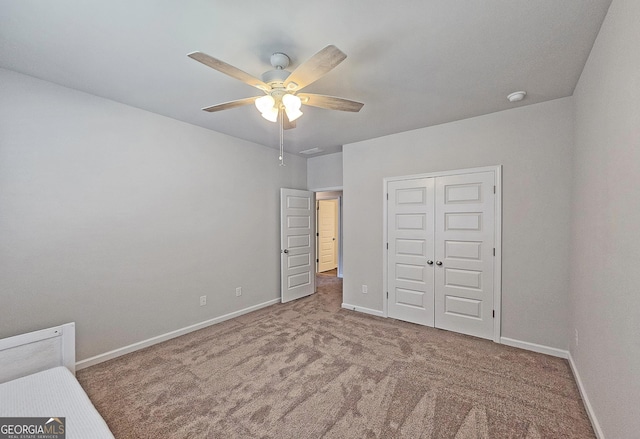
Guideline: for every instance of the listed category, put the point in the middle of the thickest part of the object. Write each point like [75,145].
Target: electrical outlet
[238,291]
[203,300]
[364,289]
[576,338]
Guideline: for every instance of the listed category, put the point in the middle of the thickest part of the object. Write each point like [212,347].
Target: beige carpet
[309,369]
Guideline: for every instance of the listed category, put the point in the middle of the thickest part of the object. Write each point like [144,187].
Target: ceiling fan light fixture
[291,101]
[271,114]
[292,104]
[265,103]
[293,114]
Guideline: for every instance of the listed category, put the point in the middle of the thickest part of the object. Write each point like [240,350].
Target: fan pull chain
[281,117]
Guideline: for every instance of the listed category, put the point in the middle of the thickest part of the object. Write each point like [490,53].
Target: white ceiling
[413,63]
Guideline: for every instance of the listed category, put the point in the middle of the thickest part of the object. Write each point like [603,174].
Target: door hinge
[317,234]
[387,195]
[494,189]
[494,313]
[387,246]
[494,251]
[387,294]
[317,260]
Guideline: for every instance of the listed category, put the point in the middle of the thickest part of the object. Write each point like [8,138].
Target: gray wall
[605,277]
[119,219]
[534,144]
[325,172]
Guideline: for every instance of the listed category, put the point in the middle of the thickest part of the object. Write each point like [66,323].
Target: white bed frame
[36,351]
[34,382]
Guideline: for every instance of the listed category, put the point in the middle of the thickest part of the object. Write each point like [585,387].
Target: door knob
[438,262]
[429,262]
[285,251]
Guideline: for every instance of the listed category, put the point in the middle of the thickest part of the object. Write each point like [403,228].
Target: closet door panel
[410,222]
[464,240]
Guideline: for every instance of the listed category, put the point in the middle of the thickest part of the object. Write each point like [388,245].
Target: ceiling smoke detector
[517,96]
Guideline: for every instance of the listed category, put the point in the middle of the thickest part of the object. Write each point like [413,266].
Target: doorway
[329,233]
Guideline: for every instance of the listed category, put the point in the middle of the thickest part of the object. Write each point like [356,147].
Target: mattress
[54,393]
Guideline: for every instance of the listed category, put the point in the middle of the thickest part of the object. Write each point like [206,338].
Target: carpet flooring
[309,369]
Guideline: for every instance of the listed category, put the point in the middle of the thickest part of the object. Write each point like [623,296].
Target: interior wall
[534,145]
[120,219]
[605,280]
[325,172]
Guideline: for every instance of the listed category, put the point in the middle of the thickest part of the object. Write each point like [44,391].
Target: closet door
[410,228]
[464,253]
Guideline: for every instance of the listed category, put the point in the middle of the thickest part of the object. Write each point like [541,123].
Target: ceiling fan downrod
[281,137]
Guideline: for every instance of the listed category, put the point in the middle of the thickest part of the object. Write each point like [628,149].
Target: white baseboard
[168,336]
[585,399]
[555,352]
[373,312]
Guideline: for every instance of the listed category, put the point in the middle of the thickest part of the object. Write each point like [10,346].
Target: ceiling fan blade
[314,68]
[231,104]
[330,102]
[230,70]
[286,123]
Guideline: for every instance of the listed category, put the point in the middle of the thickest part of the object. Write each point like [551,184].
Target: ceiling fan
[282,98]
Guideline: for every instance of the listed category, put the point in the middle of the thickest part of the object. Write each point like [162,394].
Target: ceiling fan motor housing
[275,78]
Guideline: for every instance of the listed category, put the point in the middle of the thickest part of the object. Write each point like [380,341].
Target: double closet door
[441,251]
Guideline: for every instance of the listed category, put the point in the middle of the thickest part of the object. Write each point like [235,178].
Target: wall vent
[311,151]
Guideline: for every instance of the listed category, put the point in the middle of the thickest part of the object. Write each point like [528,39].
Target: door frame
[497,267]
[340,228]
[337,230]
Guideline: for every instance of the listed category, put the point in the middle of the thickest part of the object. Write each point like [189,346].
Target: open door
[297,244]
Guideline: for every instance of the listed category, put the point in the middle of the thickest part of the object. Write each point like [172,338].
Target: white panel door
[327,234]
[410,226]
[464,253]
[297,244]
